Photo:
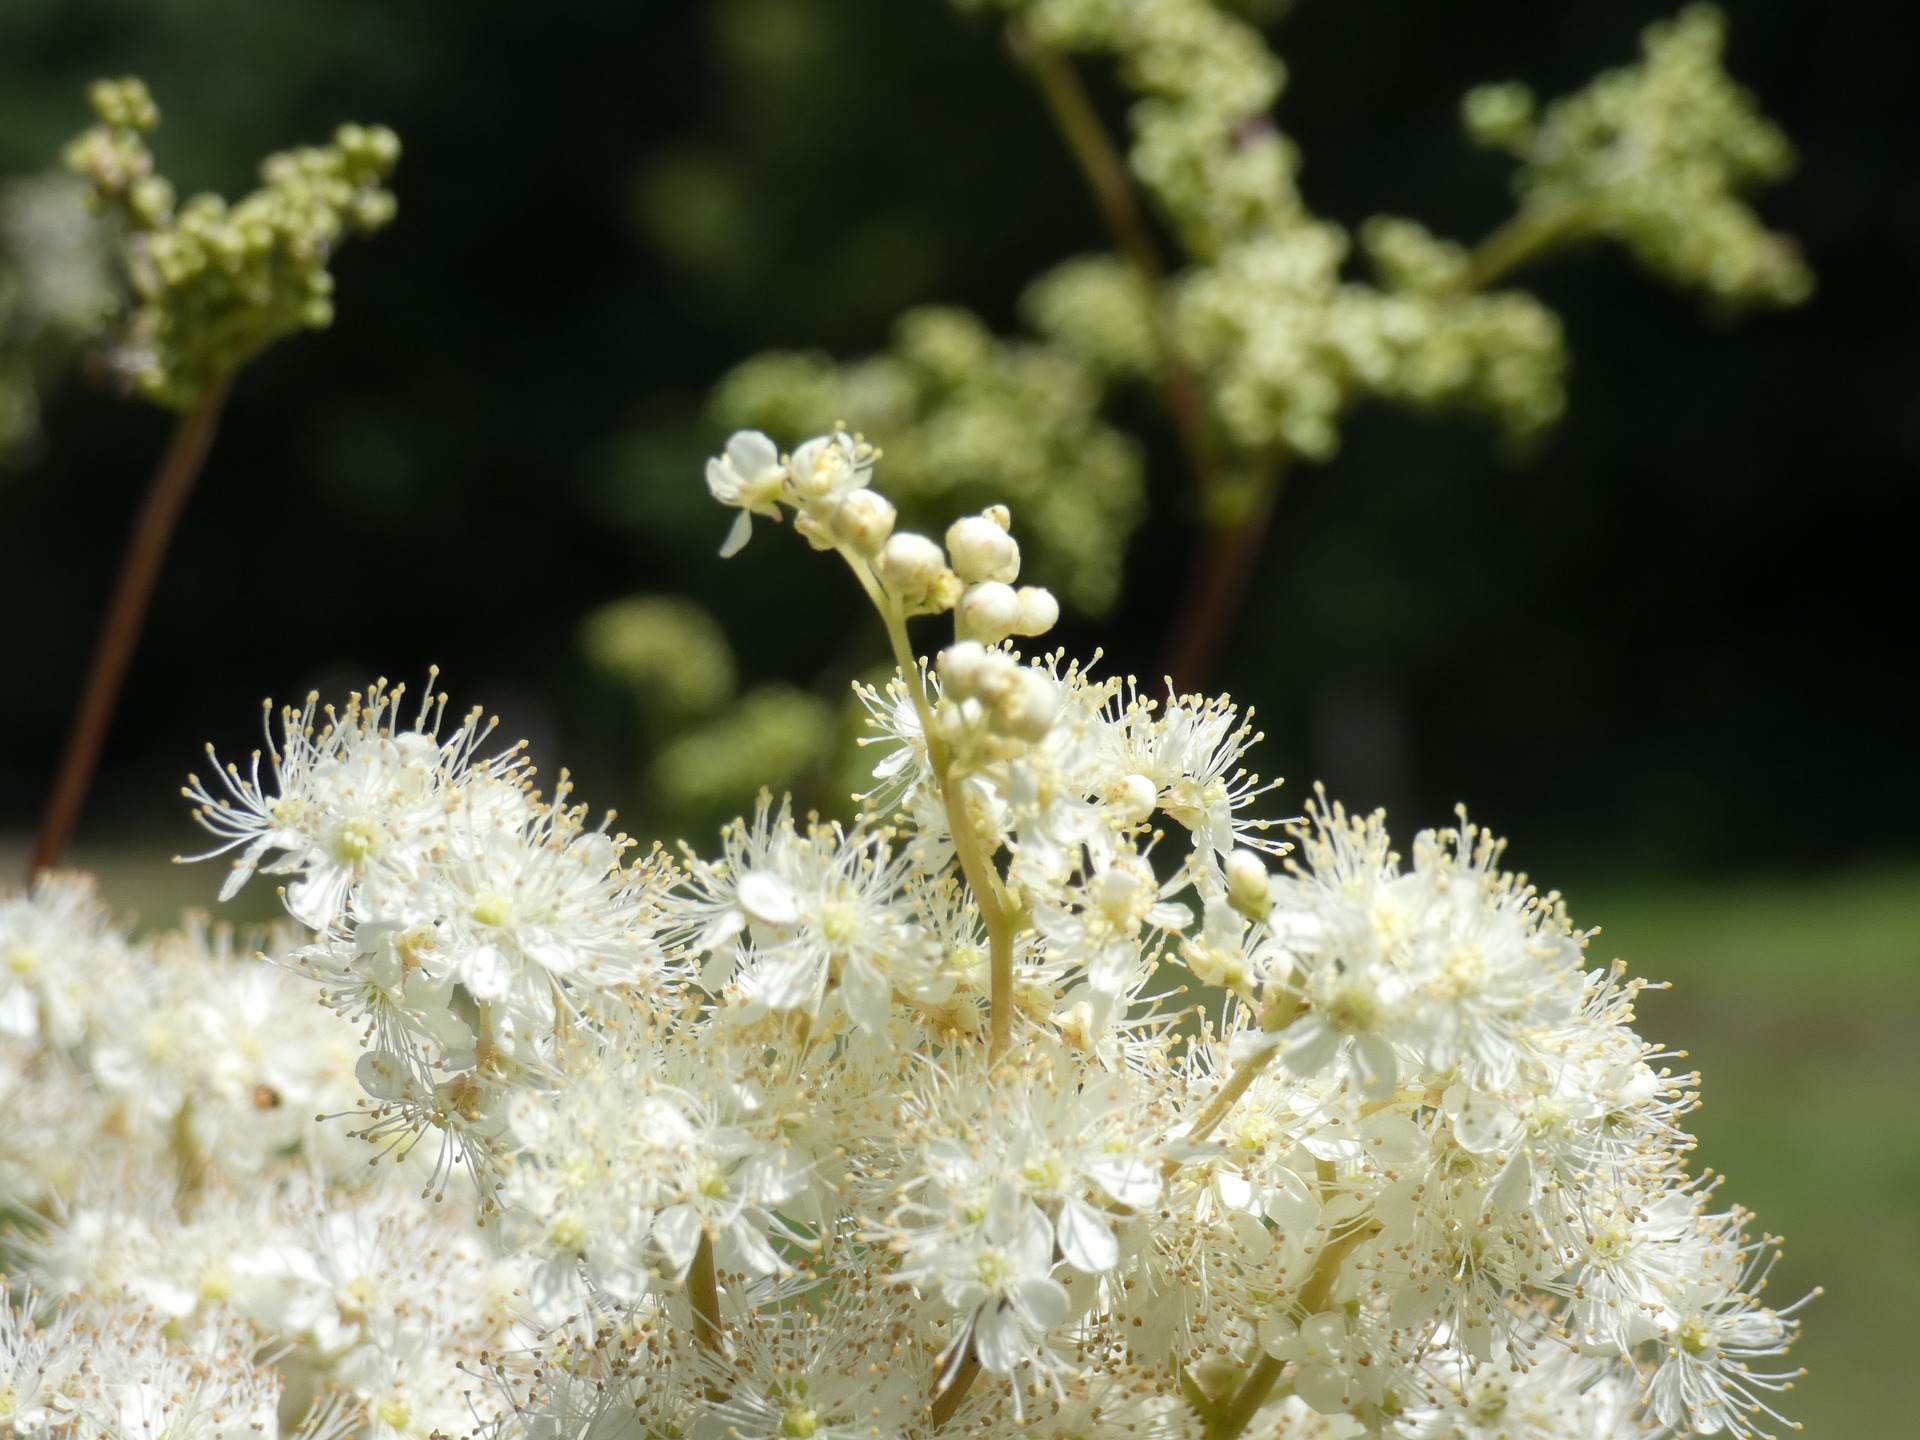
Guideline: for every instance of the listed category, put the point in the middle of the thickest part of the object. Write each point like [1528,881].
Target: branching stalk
[1230,552]
[1520,239]
[126,616]
[1259,1386]
[1254,1392]
[1238,1083]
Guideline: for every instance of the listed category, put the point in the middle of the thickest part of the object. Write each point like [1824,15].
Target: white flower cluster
[170,1185]
[891,1130]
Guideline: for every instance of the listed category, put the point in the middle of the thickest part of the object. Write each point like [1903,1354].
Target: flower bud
[863,522]
[1133,798]
[1037,611]
[960,666]
[1249,889]
[909,563]
[982,550]
[988,612]
[1027,705]
[945,592]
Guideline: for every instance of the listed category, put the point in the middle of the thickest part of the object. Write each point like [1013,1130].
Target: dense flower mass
[895,1128]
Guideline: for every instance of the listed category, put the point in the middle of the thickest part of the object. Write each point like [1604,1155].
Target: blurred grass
[1799,1002]
[1797,999]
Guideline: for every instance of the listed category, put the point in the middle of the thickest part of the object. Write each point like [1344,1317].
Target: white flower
[748,476]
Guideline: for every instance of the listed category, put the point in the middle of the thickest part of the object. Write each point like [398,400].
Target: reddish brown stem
[1223,569]
[947,1402]
[126,615]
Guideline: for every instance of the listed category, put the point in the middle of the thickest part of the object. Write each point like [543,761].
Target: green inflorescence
[213,284]
[1657,156]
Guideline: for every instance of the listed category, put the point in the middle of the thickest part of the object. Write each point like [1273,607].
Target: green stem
[1254,1392]
[703,1293]
[975,863]
[1258,1388]
[1520,239]
[126,615]
[1238,1083]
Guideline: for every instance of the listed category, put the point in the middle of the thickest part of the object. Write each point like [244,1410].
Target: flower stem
[975,863]
[961,1381]
[1112,188]
[703,1293]
[126,614]
[1258,1388]
[1238,1083]
[1229,552]
[1254,1392]
[1521,238]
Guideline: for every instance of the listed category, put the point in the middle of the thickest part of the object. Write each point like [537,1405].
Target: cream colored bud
[909,563]
[1000,516]
[982,550]
[1249,889]
[863,522]
[813,532]
[1028,705]
[988,612]
[945,592]
[1133,799]
[1037,611]
[961,666]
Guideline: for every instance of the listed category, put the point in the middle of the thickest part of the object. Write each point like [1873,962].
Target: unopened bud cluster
[213,284]
[825,482]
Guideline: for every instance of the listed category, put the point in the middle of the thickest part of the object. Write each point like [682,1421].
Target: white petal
[751,453]
[768,899]
[997,1341]
[383,1075]
[1323,1387]
[677,1233]
[1042,1302]
[788,979]
[1086,1240]
[1290,1202]
[487,973]
[1393,1139]
[1129,1179]
[1310,1044]
[1379,1067]
[737,536]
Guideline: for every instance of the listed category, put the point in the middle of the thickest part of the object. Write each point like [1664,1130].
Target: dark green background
[1677,640]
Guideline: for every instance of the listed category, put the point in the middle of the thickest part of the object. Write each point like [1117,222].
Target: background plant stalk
[126,617]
